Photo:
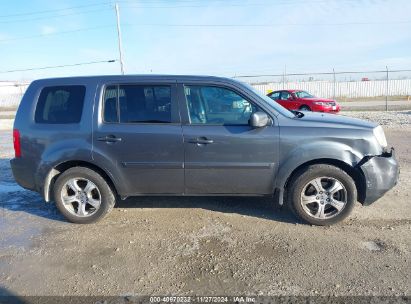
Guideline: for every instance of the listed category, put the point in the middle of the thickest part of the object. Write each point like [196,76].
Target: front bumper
[381,174]
[326,109]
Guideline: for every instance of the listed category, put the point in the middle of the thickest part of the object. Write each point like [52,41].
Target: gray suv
[85,142]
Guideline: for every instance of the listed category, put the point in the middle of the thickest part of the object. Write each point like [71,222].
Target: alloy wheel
[81,197]
[323,197]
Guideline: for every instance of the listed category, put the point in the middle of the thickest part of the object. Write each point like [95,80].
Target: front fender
[313,152]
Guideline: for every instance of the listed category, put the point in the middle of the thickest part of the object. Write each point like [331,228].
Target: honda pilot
[85,142]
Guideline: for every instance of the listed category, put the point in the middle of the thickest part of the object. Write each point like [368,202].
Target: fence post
[386,94]
[334,83]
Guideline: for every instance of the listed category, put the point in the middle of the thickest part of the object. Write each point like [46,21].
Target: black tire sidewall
[311,172]
[107,196]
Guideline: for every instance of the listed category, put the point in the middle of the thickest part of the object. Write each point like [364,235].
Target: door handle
[201,141]
[109,139]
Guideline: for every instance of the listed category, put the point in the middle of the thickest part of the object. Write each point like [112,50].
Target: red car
[304,101]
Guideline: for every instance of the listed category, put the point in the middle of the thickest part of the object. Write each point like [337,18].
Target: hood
[324,118]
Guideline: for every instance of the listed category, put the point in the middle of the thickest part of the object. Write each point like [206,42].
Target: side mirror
[259,120]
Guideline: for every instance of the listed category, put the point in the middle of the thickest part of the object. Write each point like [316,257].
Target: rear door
[223,154]
[139,129]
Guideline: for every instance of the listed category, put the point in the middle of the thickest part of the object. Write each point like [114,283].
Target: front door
[223,154]
[139,130]
[287,101]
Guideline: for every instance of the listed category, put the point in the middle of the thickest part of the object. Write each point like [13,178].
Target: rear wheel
[305,108]
[83,196]
[322,194]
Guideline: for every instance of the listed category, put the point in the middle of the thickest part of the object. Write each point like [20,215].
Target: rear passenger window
[137,104]
[110,104]
[60,104]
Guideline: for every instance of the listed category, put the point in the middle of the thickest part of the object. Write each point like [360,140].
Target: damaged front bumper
[381,174]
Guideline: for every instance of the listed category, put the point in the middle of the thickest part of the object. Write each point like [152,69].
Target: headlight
[320,103]
[380,136]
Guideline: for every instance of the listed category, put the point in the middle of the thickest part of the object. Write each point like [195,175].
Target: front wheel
[322,194]
[82,195]
[305,108]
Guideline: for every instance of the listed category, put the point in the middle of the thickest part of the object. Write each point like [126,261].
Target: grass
[376,98]
[11,116]
[4,109]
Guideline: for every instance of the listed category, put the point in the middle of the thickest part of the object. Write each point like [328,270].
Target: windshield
[277,107]
[303,94]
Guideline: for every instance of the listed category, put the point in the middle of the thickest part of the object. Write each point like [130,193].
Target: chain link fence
[11,93]
[386,87]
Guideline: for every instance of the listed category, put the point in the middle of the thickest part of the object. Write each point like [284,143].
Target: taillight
[16,142]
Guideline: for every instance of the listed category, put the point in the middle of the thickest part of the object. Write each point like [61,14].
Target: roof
[140,77]
[293,90]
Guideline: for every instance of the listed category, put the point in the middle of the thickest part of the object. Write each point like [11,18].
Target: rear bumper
[381,174]
[22,175]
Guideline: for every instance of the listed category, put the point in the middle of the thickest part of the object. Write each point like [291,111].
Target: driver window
[217,106]
[285,95]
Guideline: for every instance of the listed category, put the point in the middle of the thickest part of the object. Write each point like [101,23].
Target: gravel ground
[390,119]
[376,105]
[207,246]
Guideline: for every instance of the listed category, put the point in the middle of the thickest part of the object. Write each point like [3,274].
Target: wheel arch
[306,106]
[62,167]
[355,173]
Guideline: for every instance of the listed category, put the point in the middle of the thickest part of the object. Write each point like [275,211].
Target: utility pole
[386,94]
[334,83]
[119,38]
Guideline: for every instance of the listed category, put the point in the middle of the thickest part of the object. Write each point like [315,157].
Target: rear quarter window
[275,95]
[137,104]
[60,104]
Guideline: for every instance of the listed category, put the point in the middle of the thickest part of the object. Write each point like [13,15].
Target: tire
[92,192]
[321,203]
[305,108]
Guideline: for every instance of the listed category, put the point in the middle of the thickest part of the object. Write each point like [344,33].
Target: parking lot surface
[207,246]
